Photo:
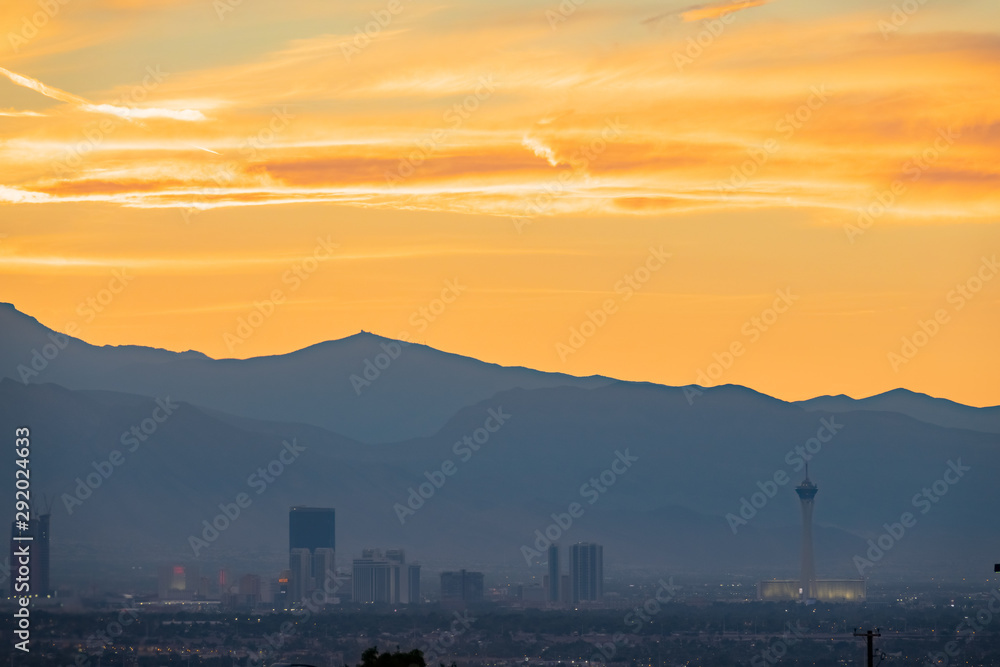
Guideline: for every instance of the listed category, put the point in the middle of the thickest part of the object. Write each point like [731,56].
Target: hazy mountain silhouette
[666,510]
[414,395]
[926,408]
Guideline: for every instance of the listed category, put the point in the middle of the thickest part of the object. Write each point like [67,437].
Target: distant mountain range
[415,393]
[921,407]
[658,474]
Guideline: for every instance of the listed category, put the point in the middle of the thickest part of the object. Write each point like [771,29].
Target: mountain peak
[13,311]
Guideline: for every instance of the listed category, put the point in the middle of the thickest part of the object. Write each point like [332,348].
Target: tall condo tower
[807,492]
[586,572]
[311,551]
[553,592]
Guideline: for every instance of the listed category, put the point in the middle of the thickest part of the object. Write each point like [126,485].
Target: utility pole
[869,635]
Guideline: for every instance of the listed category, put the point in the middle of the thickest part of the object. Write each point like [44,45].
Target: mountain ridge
[434,383]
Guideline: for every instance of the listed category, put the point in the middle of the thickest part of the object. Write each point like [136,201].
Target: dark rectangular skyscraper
[312,528]
[553,592]
[311,555]
[413,584]
[462,585]
[586,571]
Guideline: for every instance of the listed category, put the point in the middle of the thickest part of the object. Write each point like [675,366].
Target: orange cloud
[715,10]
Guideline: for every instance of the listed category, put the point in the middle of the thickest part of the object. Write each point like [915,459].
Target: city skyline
[360,333]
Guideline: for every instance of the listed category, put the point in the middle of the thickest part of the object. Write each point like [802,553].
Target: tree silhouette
[372,658]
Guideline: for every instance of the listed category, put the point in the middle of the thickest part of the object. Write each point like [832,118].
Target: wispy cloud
[13,113]
[705,11]
[135,113]
[39,87]
[350,126]
[717,9]
[128,113]
[19,196]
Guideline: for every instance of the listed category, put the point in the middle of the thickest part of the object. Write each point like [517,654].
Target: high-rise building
[247,595]
[375,578]
[179,582]
[312,528]
[451,585]
[807,492]
[462,586]
[565,589]
[385,578]
[311,551]
[586,572]
[38,548]
[398,574]
[250,584]
[171,581]
[413,584]
[282,594]
[554,580]
[323,572]
[300,574]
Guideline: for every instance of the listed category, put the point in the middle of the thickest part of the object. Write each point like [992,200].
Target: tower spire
[807,492]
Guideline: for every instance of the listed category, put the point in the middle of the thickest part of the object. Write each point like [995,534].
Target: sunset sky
[533,154]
